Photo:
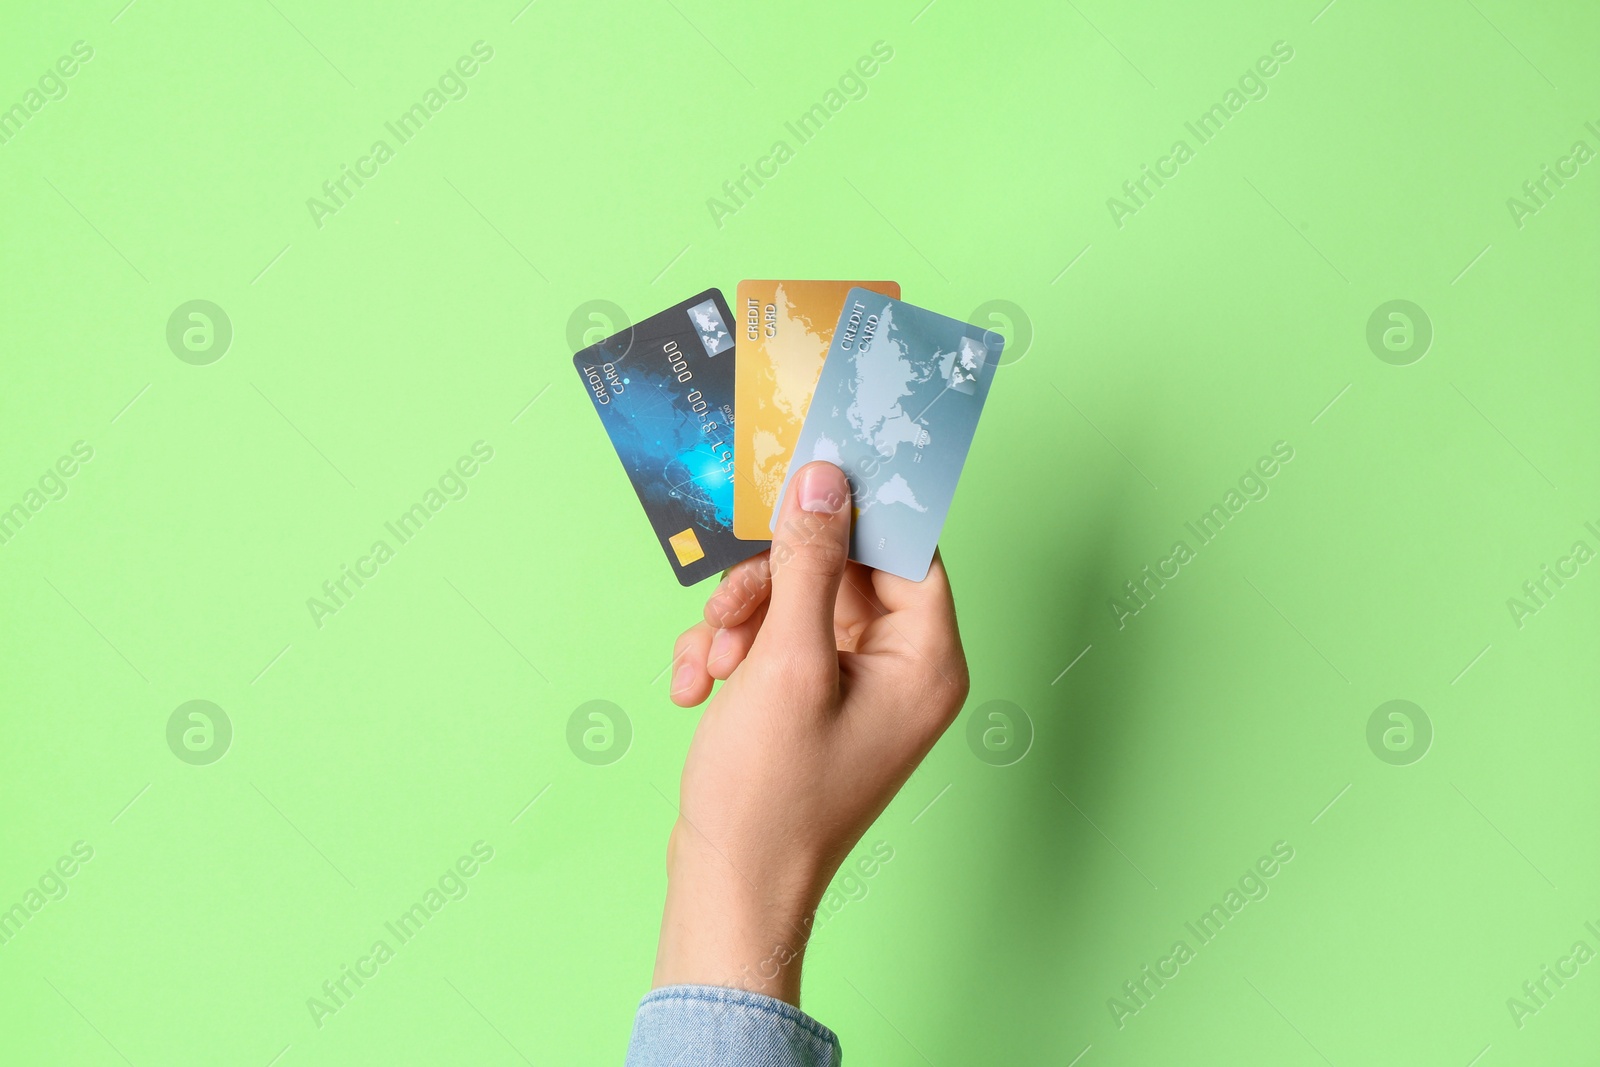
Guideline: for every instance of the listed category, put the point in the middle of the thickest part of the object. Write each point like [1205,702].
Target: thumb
[810,546]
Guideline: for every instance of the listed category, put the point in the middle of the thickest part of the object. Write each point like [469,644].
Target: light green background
[1228,314]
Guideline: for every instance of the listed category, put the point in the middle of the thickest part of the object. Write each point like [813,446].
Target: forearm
[727,979]
[719,928]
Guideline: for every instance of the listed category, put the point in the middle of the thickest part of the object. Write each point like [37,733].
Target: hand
[839,679]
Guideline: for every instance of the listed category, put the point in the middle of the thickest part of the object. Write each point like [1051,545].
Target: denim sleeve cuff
[697,1024]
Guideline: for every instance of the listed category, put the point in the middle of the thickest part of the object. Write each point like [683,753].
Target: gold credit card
[781,338]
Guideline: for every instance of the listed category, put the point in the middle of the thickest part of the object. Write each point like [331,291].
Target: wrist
[726,927]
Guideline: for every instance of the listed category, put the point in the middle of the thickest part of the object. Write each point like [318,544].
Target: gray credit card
[896,408]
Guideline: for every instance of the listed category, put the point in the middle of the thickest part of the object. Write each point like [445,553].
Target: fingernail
[721,645]
[823,489]
[682,677]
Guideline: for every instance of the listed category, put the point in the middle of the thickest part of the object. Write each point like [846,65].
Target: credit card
[664,392]
[896,408]
[781,340]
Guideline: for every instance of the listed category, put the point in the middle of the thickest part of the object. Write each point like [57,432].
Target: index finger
[744,588]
